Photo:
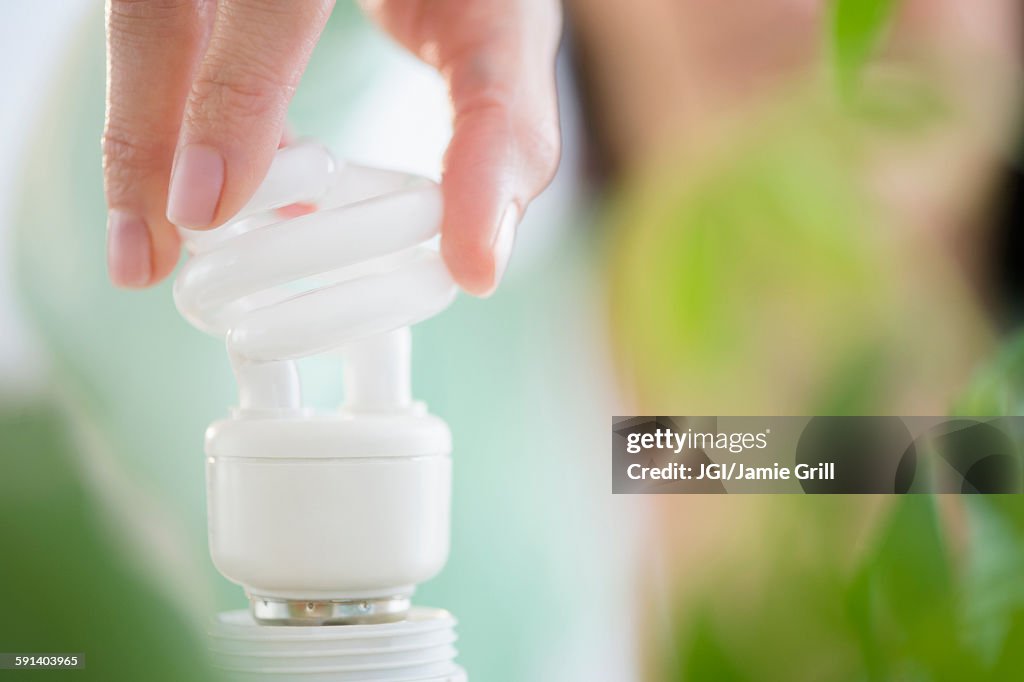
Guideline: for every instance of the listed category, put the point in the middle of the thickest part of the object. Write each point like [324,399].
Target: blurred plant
[763,275]
[857,26]
[909,608]
[999,388]
[64,583]
[906,611]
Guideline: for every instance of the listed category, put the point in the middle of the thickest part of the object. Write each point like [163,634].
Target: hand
[197,95]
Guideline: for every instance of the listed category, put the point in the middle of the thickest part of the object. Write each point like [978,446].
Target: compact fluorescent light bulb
[326,519]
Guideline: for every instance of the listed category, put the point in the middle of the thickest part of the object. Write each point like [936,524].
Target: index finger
[152,49]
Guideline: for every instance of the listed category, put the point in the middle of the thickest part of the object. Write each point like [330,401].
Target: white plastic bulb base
[420,648]
[329,519]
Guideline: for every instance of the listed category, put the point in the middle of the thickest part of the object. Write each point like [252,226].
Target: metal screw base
[269,611]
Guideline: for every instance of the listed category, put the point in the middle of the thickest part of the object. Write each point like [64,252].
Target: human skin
[198,91]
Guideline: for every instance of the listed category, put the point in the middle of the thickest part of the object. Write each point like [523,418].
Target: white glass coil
[351,273]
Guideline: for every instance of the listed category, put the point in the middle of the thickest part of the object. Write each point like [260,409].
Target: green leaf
[65,582]
[997,390]
[907,611]
[706,657]
[994,592]
[857,28]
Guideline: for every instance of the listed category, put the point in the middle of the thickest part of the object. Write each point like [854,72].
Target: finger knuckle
[490,103]
[541,150]
[127,157]
[276,10]
[232,91]
[125,148]
[135,16]
[544,148]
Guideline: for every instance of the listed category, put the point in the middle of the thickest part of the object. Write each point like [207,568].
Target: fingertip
[140,253]
[129,250]
[166,254]
[469,265]
[478,263]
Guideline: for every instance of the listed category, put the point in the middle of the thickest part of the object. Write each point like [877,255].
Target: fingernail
[128,249]
[196,185]
[501,245]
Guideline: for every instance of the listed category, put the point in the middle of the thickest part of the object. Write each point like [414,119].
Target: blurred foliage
[998,389]
[682,296]
[760,286]
[857,27]
[909,608]
[995,565]
[762,276]
[64,585]
[892,616]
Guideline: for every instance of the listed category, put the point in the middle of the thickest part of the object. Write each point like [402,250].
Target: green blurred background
[789,208]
